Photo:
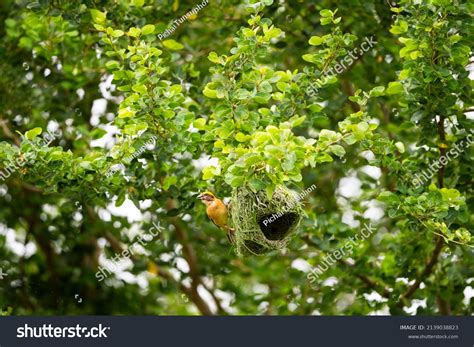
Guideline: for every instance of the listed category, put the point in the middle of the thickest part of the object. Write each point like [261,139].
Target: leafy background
[227,97]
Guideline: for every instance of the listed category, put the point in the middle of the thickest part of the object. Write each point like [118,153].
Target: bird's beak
[200,197]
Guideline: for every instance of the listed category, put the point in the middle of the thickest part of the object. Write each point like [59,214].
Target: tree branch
[428,269]
[191,292]
[24,279]
[216,300]
[440,242]
[191,258]
[371,284]
[442,150]
[8,133]
[349,89]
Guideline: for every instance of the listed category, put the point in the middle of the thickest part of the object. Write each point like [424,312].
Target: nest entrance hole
[279,228]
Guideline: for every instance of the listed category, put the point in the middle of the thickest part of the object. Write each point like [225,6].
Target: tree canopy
[115,115]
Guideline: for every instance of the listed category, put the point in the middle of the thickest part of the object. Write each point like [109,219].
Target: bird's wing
[229,232]
[218,213]
[212,220]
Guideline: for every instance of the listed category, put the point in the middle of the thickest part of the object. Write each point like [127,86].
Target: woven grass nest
[261,224]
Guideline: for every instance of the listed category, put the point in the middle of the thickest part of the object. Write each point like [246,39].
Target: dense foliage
[108,104]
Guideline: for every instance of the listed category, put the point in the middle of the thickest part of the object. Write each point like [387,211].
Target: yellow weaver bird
[218,213]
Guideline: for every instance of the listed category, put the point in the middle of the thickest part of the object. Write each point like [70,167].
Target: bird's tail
[230,234]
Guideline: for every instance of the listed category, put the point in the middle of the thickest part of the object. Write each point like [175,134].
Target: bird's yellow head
[206,197]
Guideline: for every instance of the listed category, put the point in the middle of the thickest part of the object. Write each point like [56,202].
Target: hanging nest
[262,225]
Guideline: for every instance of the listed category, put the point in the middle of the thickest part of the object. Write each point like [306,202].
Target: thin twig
[426,272]
[371,284]
[8,133]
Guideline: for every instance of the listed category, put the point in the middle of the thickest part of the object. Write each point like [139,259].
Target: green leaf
[337,150]
[209,172]
[241,94]
[253,159]
[316,40]
[363,127]
[260,137]
[134,32]
[310,58]
[248,32]
[296,121]
[266,87]
[394,88]
[117,33]
[210,93]
[326,13]
[288,163]
[97,133]
[112,65]
[389,264]
[269,190]
[400,147]
[56,156]
[327,135]
[315,108]
[377,91]
[257,184]
[139,88]
[98,16]
[137,3]
[169,181]
[148,29]
[213,57]
[350,140]
[125,113]
[326,21]
[200,123]
[242,137]
[235,181]
[120,200]
[282,86]
[273,33]
[400,28]
[388,197]
[224,133]
[173,45]
[31,134]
